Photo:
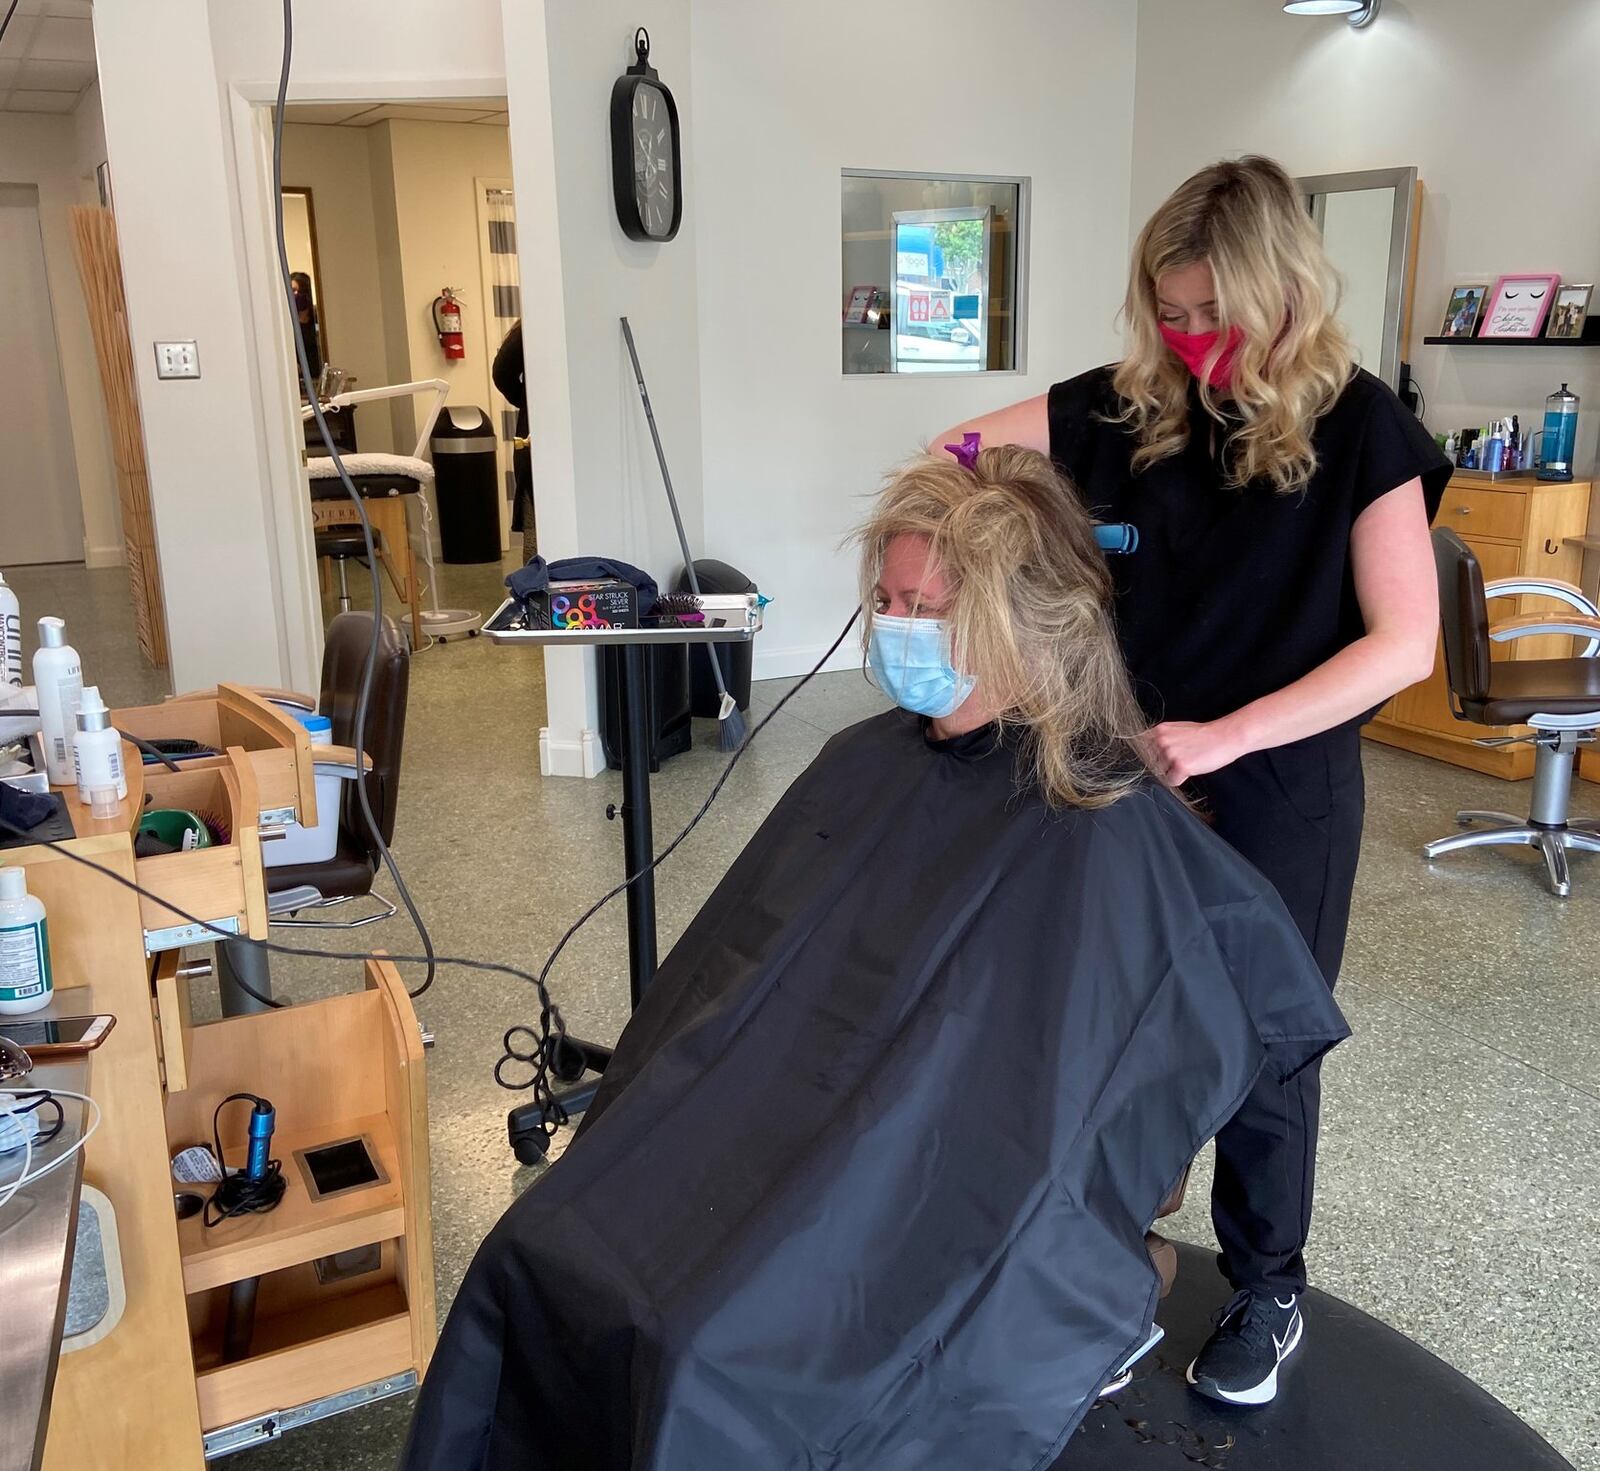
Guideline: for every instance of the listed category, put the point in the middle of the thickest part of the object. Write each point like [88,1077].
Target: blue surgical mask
[910,659]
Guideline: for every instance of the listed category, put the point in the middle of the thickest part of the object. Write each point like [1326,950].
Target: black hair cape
[867,1184]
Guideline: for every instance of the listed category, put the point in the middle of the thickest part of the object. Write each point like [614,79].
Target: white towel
[321,467]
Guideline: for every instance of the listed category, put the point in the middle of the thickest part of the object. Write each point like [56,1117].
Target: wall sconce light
[1358,12]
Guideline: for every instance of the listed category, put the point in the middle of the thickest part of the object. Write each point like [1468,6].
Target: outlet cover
[177,360]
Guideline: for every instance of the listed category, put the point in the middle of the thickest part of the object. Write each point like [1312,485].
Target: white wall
[1506,152]
[335,165]
[787,96]
[436,214]
[57,155]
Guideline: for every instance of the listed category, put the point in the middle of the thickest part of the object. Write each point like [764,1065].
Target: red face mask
[1195,347]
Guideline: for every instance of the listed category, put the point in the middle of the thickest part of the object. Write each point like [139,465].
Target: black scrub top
[1235,592]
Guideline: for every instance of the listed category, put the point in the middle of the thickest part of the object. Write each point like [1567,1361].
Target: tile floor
[1460,1178]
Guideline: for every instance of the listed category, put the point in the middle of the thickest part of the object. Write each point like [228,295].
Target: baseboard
[568,754]
[787,663]
[108,556]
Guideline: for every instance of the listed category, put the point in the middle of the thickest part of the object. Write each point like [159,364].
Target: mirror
[300,235]
[931,272]
[1368,222]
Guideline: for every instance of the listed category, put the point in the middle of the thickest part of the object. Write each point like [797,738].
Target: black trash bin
[666,694]
[737,659]
[467,484]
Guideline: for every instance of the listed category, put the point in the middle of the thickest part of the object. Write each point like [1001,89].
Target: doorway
[40,508]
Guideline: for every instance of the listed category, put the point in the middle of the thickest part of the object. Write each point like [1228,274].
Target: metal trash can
[737,659]
[467,485]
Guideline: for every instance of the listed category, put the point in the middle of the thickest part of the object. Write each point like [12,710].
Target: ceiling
[489,110]
[47,57]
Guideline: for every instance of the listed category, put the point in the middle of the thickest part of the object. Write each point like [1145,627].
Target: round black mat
[1356,1395]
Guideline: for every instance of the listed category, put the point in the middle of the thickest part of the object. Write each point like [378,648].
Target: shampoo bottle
[59,679]
[24,947]
[97,749]
[10,637]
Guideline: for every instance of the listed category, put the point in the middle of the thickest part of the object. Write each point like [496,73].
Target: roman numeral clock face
[654,187]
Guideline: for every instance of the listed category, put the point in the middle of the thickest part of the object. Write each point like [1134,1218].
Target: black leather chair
[1559,698]
[349,873]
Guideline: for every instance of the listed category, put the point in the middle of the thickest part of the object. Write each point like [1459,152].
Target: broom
[730,723]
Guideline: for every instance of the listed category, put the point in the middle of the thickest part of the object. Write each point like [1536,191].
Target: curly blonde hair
[1275,284]
[1029,612]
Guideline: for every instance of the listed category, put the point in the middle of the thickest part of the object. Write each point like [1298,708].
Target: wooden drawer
[278,746]
[1474,510]
[222,884]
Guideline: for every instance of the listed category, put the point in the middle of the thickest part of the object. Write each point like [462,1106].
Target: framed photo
[1570,312]
[1518,305]
[1464,309]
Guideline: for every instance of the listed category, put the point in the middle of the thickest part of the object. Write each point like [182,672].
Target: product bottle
[97,749]
[1560,435]
[59,678]
[24,947]
[10,637]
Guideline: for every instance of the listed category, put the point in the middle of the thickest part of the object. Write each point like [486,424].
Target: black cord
[551,1022]
[236,1194]
[41,1097]
[5,25]
[309,383]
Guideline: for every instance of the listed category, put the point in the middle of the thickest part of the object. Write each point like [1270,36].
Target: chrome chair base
[1579,834]
[278,920]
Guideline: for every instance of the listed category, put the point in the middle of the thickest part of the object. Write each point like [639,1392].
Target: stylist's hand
[1179,749]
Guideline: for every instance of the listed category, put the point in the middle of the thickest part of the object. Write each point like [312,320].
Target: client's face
[911,584]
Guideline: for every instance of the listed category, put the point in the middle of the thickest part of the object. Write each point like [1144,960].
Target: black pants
[1294,812]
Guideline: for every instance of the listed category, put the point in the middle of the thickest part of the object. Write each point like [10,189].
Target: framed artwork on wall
[1518,305]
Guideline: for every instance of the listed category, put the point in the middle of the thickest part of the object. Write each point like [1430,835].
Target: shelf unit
[1590,338]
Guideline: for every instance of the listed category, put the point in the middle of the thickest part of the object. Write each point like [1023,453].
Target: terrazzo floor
[1459,1186]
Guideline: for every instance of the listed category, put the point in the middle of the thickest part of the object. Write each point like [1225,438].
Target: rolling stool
[339,544]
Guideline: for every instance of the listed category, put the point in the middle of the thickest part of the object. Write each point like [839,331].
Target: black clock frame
[622,178]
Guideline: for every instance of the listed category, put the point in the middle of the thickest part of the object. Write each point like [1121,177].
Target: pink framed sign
[1518,306]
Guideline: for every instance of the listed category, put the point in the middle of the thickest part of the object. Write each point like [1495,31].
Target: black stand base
[525,1123]
[1356,1395]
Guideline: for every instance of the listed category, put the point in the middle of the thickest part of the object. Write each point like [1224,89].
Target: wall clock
[646,156]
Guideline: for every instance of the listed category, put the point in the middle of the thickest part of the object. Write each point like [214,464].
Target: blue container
[1559,442]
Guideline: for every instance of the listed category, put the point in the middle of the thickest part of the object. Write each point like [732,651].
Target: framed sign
[1518,306]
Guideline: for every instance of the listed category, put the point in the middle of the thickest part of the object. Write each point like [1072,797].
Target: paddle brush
[730,723]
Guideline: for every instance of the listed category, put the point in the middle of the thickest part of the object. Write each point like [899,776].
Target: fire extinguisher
[447,322]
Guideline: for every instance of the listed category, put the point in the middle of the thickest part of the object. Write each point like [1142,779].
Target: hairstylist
[1282,589]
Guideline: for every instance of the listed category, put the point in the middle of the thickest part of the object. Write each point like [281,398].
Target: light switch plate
[177,360]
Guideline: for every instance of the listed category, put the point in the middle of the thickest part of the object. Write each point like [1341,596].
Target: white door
[41,516]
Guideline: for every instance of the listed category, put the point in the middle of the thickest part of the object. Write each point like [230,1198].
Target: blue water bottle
[1560,438]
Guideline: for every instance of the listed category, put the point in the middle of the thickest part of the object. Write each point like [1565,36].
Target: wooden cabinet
[1516,528]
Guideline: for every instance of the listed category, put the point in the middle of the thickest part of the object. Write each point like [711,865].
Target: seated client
[867,1182]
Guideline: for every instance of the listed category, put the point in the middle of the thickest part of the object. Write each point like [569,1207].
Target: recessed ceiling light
[1357,12]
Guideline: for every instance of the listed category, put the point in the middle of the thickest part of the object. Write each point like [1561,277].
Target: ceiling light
[1357,12]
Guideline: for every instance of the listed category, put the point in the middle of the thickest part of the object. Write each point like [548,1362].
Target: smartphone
[57,1036]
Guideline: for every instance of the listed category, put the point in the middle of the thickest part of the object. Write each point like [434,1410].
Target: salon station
[741,736]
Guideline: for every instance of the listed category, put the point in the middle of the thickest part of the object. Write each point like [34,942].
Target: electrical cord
[552,1025]
[309,383]
[5,25]
[25,1178]
[237,1194]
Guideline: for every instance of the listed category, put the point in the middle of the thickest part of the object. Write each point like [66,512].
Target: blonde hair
[1029,612]
[1274,283]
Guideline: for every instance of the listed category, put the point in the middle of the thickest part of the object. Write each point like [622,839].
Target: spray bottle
[97,751]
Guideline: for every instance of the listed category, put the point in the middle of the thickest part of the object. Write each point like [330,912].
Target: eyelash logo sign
[1518,305]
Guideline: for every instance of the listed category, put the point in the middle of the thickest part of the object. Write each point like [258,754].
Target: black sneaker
[1256,1333]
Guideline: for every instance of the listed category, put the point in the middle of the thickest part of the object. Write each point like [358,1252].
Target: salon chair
[1559,698]
[294,889]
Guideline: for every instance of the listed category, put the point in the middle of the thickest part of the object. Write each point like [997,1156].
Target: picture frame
[1464,309]
[1570,312]
[1519,304]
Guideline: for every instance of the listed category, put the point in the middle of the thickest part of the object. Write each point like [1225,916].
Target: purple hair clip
[967,451]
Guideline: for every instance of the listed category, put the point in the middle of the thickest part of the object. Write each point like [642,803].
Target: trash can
[736,659]
[467,485]
[666,693]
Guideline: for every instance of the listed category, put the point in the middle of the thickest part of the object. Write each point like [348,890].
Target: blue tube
[1117,538]
[262,1119]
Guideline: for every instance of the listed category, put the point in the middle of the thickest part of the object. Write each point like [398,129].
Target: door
[41,516]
